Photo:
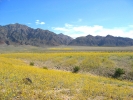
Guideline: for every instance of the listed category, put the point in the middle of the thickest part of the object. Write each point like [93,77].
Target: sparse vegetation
[99,63]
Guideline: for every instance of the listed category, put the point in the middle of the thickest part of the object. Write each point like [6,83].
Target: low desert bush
[32,63]
[118,72]
[76,69]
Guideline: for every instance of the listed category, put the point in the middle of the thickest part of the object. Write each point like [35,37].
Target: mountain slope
[22,34]
[66,39]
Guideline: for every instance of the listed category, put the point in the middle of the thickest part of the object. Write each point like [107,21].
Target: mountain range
[18,34]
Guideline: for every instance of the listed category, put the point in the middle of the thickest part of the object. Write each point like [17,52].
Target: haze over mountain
[18,34]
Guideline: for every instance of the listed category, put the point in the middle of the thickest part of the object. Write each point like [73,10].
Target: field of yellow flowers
[99,63]
[51,84]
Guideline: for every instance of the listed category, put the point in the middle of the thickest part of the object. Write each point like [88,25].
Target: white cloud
[61,29]
[76,31]
[68,25]
[39,22]
[42,22]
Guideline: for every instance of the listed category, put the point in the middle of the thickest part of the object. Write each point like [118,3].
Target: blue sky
[71,17]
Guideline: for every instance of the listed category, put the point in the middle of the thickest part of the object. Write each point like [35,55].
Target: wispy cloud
[80,20]
[131,26]
[38,22]
[76,31]
[28,23]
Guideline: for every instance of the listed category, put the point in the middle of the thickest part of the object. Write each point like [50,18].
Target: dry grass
[28,48]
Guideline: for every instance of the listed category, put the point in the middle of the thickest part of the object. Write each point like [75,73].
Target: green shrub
[118,72]
[32,63]
[76,69]
[45,67]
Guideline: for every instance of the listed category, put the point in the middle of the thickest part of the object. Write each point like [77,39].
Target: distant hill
[18,34]
[102,41]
